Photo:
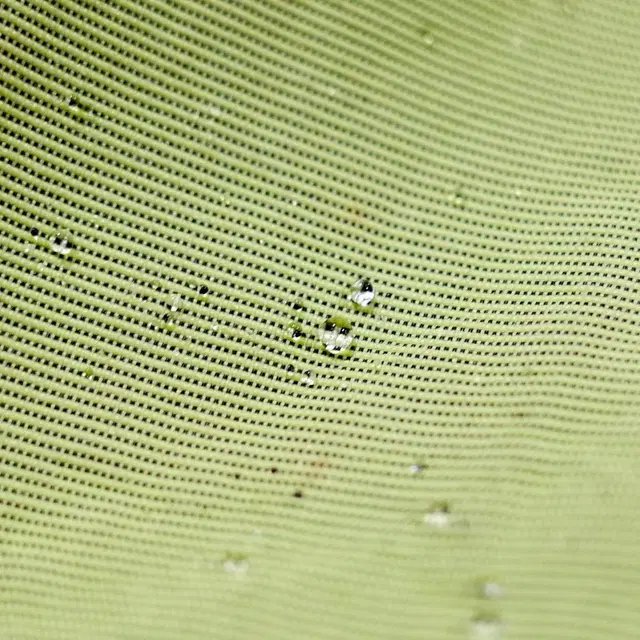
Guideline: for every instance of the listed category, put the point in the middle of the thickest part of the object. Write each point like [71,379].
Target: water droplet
[298,494]
[457,199]
[439,515]
[34,232]
[296,334]
[416,468]
[61,243]
[307,378]
[237,565]
[203,290]
[336,335]
[486,628]
[362,293]
[88,373]
[297,306]
[168,320]
[73,103]
[175,302]
[489,589]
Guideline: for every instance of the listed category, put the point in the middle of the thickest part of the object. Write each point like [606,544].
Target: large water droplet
[237,565]
[61,243]
[362,293]
[336,335]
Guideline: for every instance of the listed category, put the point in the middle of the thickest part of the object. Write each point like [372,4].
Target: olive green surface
[189,191]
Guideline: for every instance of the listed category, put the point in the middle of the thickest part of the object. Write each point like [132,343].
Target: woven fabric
[203,436]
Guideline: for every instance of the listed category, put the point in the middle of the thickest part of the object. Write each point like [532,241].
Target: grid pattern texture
[189,190]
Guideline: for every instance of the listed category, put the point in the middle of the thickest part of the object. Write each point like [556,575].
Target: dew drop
[203,290]
[336,335]
[61,244]
[237,565]
[175,303]
[34,232]
[362,293]
[307,378]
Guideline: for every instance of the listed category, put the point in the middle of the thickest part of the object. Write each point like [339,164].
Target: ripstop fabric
[189,191]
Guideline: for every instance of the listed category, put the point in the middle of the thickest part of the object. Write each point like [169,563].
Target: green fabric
[198,472]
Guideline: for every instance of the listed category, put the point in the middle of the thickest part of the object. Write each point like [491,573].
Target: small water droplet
[61,244]
[457,199]
[168,320]
[175,303]
[237,565]
[486,628]
[34,232]
[73,103]
[439,515]
[489,589]
[203,290]
[298,494]
[336,335]
[42,266]
[307,378]
[28,248]
[297,306]
[297,334]
[362,293]
[416,468]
